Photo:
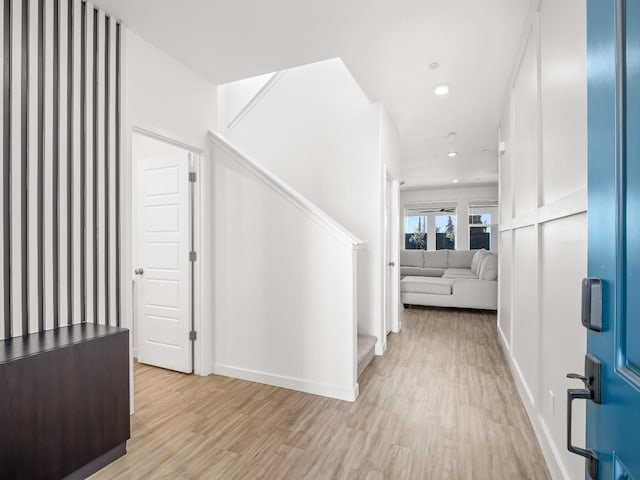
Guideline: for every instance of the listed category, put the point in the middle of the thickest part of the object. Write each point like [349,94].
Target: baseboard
[523,386]
[99,463]
[550,449]
[547,445]
[504,343]
[380,349]
[316,388]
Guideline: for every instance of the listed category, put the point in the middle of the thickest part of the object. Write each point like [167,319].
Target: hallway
[441,404]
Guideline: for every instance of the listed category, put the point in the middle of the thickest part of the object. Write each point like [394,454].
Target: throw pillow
[489,269]
[475,261]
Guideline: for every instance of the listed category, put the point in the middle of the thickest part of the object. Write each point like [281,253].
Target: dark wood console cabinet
[64,402]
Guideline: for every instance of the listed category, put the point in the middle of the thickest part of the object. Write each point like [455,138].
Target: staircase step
[366,351]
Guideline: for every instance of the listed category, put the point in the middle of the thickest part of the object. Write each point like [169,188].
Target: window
[415,232]
[446,231]
[430,227]
[483,229]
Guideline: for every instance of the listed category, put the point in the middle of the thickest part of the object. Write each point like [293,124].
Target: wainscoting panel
[543,173]
[60,143]
[505,313]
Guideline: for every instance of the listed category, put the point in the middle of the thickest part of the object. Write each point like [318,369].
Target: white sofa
[449,278]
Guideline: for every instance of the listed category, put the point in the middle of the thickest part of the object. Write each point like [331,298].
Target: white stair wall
[318,131]
[285,274]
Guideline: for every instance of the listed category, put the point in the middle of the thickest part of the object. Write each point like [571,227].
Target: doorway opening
[164,250]
[391,237]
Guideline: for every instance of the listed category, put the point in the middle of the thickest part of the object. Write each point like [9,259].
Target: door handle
[589,455]
[591,380]
[392,264]
[139,271]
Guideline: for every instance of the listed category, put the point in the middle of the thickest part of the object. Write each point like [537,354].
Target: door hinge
[193,256]
[193,177]
[193,335]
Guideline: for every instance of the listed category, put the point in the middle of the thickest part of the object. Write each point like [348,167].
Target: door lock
[592,381]
[592,304]
[139,271]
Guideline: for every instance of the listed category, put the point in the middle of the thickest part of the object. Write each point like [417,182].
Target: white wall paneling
[564,72]
[564,250]
[505,310]
[525,125]
[525,342]
[543,224]
[45,93]
[505,168]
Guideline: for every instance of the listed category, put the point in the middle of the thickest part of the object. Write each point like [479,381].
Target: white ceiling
[388,46]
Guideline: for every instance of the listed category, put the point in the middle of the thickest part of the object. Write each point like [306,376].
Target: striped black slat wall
[25,42]
[61,165]
[7,64]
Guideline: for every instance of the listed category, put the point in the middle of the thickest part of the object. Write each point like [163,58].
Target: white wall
[461,197]
[238,96]
[284,288]
[163,96]
[389,144]
[543,225]
[317,131]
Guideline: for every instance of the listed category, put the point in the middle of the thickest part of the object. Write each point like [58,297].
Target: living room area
[449,255]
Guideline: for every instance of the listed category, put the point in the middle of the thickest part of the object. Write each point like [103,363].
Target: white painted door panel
[162,251]
[389,269]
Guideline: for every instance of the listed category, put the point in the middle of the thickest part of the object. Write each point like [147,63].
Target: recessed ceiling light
[442,90]
[455,180]
[452,154]
[434,65]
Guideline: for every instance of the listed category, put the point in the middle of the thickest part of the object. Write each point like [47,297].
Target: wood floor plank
[440,404]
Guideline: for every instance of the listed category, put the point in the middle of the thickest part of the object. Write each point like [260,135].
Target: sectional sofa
[449,278]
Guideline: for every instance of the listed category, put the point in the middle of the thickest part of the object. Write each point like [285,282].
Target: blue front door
[613,426]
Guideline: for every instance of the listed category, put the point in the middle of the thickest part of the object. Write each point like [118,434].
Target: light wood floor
[440,404]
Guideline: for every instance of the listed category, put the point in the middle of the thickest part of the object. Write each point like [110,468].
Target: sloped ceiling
[387,44]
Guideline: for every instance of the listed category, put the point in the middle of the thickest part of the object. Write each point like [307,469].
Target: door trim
[165,137]
[394,224]
[396,324]
[195,157]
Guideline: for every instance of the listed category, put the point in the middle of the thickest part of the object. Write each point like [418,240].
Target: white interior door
[390,266]
[162,238]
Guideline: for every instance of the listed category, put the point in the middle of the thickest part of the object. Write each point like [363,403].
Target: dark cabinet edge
[99,463]
[17,348]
